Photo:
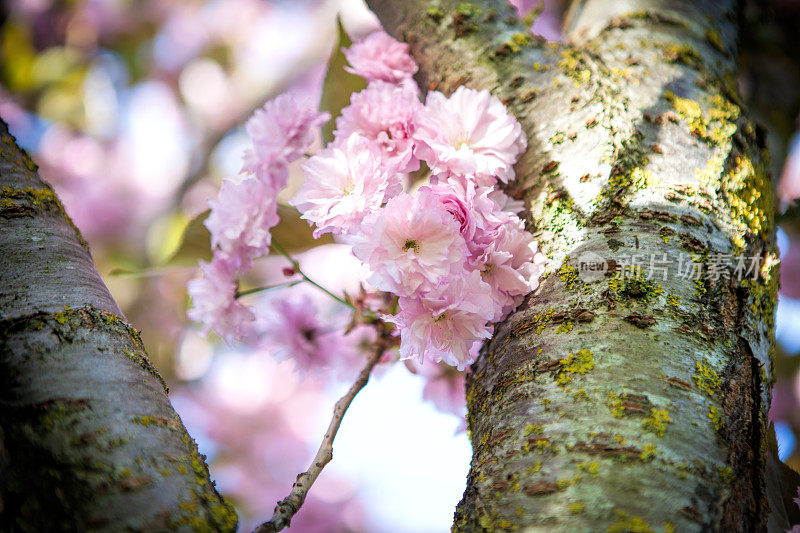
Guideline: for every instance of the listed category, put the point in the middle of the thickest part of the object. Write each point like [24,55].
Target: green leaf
[339,84]
[194,243]
[292,232]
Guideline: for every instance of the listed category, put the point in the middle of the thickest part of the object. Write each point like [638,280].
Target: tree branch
[289,506]
[637,146]
[88,438]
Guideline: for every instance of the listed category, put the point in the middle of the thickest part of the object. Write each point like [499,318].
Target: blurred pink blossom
[281,132]
[215,304]
[380,57]
[255,421]
[444,387]
[241,219]
[789,185]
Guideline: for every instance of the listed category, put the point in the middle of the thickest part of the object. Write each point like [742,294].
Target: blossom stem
[289,506]
[297,269]
[268,287]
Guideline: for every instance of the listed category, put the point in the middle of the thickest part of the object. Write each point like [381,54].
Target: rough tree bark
[88,438]
[609,402]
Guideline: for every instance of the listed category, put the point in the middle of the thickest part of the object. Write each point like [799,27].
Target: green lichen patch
[657,422]
[568,274]
[532,429]
[762,291]
[67,323]
[28,201]
[592,468]
[565,327]
[435,14]
[574,66]
[713,38]
[631,283]
[716,418]
[682,53]
[629,524]
[706,378]
[748,191]
[726,473]
[43,199]
[579,362]
[559,214]
[576,507]
[149,421]
[716,125]
[616,403]
[648,452]
[558,138]
[534,468]
[537,322]
[653,18]
[464,19]
[628,174]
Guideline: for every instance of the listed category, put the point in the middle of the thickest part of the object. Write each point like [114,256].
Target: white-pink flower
[385,114]
[281,132]
[470,133]
[214,301]
[446,323]
[380,57]
[241,219]
[411,245]
[344,183]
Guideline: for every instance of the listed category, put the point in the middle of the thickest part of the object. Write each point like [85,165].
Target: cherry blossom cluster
[450,246]
[247,209]
[453,251]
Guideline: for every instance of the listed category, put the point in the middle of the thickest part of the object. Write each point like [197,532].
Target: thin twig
[268,287]
[297,269]
[287,507]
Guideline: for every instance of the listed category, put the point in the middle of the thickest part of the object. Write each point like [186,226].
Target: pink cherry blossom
[511,266]
[281,132]
[385,114]
[459,206]
[479,215]
[293,328]
[470,133]
[446,323]
[411,245]
[241,219]
[214,301]
[380,57]
[505,202]
[444,387]
[344,183]
[789,184]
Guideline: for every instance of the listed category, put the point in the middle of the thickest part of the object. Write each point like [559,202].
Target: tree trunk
[88,438]
[611,401]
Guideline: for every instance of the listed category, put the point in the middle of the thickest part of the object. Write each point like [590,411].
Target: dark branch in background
[769,71]
[289,506]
